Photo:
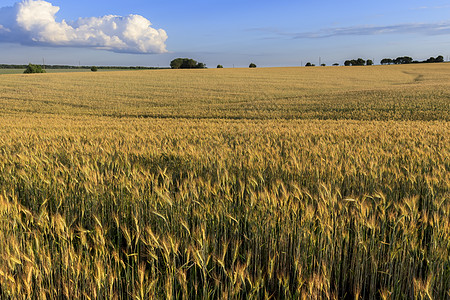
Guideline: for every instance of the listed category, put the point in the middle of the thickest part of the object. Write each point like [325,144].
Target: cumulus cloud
[33,22]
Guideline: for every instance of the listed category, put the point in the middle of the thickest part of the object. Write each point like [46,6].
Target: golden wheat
[93,205]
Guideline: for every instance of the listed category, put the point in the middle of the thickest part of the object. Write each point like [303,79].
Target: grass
[325,183]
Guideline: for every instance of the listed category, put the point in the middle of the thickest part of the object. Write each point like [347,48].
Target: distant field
[11,71]
[281,183]
[412,92]
[20,71]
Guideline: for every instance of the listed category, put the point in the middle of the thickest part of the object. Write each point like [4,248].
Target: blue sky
[268,33]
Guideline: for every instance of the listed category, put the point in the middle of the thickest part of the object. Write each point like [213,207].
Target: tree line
[409,60]
[358,62]
[189,63]
[57,67]
[386,61]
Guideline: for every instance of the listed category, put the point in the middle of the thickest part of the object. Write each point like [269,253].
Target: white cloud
[34,22]
[4,29]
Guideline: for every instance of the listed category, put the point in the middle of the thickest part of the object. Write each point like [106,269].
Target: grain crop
[283,183]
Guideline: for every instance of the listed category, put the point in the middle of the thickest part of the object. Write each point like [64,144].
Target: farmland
[47,70]
[323,183]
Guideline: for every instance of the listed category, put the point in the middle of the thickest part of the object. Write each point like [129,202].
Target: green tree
[348,63]
[359,62]
[403,60]
[308,64]
[186,63]
[176,63]
[369,62]
[252,65]
[200,66]
[33,69]
[219,67]
[189,63]
[94,69]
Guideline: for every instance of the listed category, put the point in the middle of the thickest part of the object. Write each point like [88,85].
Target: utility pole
[43,63]
[320,61]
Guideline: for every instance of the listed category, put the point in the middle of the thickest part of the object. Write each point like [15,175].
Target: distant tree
[359,62]
[186,63]
[335,64]
[94,69]
[200,66]
[402,60]
[438,59]
[176,63]
[219,67]
[252,65]
[408,60]
[33,69]
[369,62]
[189,64]
[308,64]
[323,65]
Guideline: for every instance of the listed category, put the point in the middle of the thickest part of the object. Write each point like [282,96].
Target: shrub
[33,69]
[252,65]
[219,67]
[94,69]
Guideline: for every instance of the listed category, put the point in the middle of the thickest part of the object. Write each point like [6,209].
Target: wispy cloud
[431,7]
[33,22]
[410,28]
[4,29]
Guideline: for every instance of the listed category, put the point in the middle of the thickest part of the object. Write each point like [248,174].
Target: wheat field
[277,183]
